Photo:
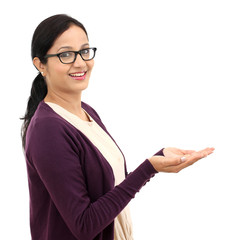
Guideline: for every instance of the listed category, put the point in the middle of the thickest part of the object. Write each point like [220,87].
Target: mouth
[78,75]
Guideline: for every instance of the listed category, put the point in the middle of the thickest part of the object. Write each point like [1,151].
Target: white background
[166,74]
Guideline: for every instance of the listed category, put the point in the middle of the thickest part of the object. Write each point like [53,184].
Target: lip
[82,77]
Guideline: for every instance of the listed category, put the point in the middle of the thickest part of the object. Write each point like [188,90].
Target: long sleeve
[55,155]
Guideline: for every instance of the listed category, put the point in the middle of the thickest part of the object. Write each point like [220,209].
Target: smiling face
[64,79]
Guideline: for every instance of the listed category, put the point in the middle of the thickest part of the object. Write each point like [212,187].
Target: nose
[79,62]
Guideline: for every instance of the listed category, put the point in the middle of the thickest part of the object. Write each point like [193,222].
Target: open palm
[175,152]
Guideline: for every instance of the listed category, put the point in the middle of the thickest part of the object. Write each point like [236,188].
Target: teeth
[77,74]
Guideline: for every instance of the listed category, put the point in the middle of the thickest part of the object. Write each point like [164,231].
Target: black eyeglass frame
[75,52]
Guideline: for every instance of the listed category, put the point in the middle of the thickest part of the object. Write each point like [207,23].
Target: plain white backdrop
[166,74]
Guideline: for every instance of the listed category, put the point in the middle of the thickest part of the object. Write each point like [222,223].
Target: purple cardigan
[71,184]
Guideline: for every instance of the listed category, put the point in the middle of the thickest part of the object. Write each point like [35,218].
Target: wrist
[153,161]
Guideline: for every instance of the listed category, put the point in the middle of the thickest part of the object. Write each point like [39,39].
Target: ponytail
[38,93]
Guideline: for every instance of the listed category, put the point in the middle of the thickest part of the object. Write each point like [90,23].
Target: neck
[71,103]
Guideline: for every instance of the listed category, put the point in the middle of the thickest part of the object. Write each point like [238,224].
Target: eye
[67,55]
[85,51]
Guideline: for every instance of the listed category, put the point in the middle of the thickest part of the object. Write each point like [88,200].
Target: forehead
[74,37]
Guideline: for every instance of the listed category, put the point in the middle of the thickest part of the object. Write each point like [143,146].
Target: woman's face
[68,78]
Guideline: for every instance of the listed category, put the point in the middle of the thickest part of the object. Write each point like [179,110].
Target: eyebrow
[69,47]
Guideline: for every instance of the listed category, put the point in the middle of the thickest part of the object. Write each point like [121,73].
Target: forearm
[101,213]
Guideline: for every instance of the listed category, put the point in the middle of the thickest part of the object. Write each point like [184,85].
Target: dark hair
[43,38]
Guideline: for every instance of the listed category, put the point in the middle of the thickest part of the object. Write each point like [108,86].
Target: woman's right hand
[179,160]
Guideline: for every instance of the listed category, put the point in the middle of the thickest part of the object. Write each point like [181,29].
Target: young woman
[78,182]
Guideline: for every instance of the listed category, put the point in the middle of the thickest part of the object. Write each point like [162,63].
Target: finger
[190,159]
[205,152]
[196,156]
[210,150]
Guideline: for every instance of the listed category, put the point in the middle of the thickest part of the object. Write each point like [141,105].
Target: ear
[39,65]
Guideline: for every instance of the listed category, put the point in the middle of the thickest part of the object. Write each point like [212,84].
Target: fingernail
[183,159]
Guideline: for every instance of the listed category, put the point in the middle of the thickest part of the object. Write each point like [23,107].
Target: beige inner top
[104,143]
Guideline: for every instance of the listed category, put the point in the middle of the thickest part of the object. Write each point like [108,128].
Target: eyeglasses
[86,54]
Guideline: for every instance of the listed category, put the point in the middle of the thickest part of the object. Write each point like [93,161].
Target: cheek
[62,70]
[90,65]
[58,72]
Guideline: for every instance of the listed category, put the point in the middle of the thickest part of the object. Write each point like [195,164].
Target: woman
[78,183]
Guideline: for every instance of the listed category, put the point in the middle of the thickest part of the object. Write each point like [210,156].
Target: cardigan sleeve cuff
[138,178]
[160,153]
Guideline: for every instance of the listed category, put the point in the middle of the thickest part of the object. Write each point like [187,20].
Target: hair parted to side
[43,39]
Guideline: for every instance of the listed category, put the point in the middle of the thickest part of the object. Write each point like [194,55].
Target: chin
[82,86]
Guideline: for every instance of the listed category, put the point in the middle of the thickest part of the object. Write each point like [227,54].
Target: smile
[78,75]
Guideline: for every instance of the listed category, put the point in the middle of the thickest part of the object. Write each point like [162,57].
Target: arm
[55,156]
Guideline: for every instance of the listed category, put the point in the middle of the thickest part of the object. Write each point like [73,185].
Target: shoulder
[47,125]
[46,118]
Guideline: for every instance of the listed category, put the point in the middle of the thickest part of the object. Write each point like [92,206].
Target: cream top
[110,151]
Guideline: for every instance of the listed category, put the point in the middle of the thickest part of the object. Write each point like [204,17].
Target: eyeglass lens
[69,57]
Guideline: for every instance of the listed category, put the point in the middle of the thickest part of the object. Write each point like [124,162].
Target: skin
[62,88]
[67,92]
[173,162]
